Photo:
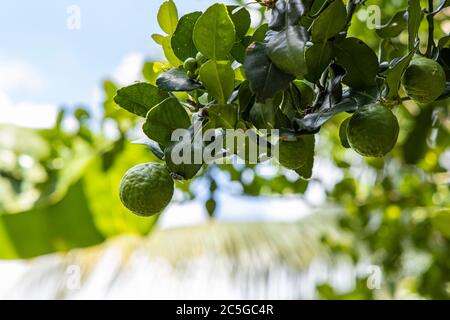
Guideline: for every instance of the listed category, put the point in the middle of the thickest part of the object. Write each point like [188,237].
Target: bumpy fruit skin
[373,131]
[343,133]
[292,154]
[146,189]
[424,80]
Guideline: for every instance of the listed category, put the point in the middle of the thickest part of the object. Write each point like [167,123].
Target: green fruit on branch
[186,169]
[373,130]
[343,133]
[190,65]
[146,189]
[292,154]
[200,58]
[424,80]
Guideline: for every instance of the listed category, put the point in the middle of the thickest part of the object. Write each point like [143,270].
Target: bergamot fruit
[424,80]
[292,154]
[146,189]
[373,130]
[343,133]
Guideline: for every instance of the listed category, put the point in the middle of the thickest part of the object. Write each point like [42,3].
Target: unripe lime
[373,130]
[343,133]
[190,64]
[183,169]
[292,154]
[424,80]
[200,58]
[146,189]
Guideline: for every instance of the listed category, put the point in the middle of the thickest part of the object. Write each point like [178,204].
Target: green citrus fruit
[200,58]
[190,65]
[373,130]
[424,80]
[146,189]
[185,171]
[343,133]
[292,154]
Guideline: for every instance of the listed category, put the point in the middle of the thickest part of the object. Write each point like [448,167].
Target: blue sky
[45,63]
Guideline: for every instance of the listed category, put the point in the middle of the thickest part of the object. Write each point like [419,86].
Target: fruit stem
[430,18]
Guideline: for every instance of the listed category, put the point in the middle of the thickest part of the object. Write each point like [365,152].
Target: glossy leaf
[264,77]
[286,49]
[394,75]
[214,32]
[218,79]
[307,170]
[223,116]
[286,13]
[163,119]
[139,98]
[168,52]
[176,80]
[182,41]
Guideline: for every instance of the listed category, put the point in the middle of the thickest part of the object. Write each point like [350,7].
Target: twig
[430,18]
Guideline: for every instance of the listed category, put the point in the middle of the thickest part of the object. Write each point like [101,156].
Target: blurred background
[359,229]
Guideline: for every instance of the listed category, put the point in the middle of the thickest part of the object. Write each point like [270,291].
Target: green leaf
[163,119]
[218,79]
[394,75]
[350,102]
[264,77]
[414,19]
[286,49]
[241,19]
[139,98]
[393,27]
[158,38]
[168,17]
[56,227]
[223,116]
[358,60]
[260,33]
[286,13]
[176,80]
[307,170]
[168,52]
[214,32]
[268,115]
[318,57]
[182,40]
[330,22]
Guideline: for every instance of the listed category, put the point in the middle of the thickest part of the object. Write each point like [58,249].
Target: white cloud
[19,75]
[26,114]
[129,69]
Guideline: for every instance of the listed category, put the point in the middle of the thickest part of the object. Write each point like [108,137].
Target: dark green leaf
[394,75]
[330,22]
[286,49]
[163,119]
[307,170]
[414,19]
[286,13]
[318,57]
[177,80]
[264,77]
[241,19]
[182,42]
[394,27]
[139,98]
[358,60]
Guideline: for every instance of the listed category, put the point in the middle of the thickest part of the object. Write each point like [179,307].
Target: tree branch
[430,18]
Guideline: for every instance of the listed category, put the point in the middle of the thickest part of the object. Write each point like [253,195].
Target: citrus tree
[292,74]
